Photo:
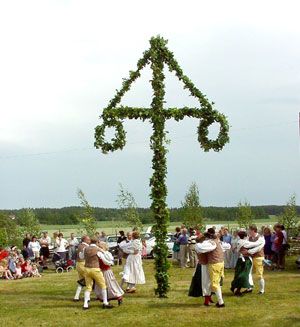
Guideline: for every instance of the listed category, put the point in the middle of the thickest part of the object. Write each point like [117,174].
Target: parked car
[150,243]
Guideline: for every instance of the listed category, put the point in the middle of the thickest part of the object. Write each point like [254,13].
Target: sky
[61,62]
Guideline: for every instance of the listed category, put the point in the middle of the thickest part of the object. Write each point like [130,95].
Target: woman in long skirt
[133,272]
[114,291]
[243,268]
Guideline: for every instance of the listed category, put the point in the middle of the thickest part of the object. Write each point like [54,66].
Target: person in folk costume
[92,273]
[214,249]
[243,269]
[200,285]
[256,240]
[123,244]
[106,260]
[133,272]
[85,241]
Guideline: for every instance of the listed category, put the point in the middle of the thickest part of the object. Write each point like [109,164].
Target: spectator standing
[120,239]
[227,255]
[284,248]
[45,241]
[183,243]
[103,237]
[25,250]
[234,249]
[73,244]
[34,247]
[191,248]
[176,245]
[268,243]
[62,245]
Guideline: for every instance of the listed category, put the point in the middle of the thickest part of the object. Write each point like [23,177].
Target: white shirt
[209,245]
[73,242]
[34,246]
[61,245]
[45,239]
[254,247]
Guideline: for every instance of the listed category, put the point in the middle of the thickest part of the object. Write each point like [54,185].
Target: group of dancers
[93,266]
[209,273]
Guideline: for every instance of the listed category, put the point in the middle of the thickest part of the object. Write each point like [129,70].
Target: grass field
[48,302]
[109,227]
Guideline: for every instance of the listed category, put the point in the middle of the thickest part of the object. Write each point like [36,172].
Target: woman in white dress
[133,272]
[114,291]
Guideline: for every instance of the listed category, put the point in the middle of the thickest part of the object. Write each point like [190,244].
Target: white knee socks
[86,299]
[262,285]
[104,295]
[79,288]
[219,296]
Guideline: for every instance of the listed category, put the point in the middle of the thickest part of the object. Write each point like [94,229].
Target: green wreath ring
[222,138]
[117,142]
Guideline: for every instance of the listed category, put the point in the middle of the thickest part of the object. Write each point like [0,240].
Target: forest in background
[71,215]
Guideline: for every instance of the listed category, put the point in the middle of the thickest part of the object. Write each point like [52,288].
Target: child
[35,271]
[18,274]
[144,249]
[114,291]
[5,270]
[27,268]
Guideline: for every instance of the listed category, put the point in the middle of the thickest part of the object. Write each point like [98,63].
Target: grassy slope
[47,302]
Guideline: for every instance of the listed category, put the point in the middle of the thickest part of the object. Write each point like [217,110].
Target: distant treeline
[70,215]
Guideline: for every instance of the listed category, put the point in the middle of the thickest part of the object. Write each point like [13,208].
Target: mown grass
[48,302]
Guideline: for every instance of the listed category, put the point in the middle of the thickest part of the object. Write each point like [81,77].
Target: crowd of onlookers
[33,257]
[275,249]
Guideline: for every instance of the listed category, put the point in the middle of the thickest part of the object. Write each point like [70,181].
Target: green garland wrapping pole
[113,115]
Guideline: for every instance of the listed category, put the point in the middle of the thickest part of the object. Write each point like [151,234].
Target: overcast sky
[61,62]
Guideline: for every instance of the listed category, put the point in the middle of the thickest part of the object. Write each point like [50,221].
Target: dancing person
[114,291]
[284,247]
[92,273]
[85,241]
[256,241]
[133,272]
[200,285]
[243,269]
[215,259]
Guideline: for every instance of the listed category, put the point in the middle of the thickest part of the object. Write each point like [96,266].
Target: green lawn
[48,302]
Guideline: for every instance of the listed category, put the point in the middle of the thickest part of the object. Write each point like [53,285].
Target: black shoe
[76,300]
[232,289]
[120,302]
[107,306]
[220,305]
[85,308]
[238,294]
[247,291]
[261,293]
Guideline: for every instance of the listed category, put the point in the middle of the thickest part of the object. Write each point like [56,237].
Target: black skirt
[196,284]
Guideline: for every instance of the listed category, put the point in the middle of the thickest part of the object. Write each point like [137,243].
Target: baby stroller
[62,265]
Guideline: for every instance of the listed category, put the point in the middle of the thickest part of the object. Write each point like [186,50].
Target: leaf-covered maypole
[113,116]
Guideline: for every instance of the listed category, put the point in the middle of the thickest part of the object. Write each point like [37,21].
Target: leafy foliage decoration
[113,115]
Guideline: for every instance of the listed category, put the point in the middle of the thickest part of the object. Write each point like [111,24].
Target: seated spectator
[18,274]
